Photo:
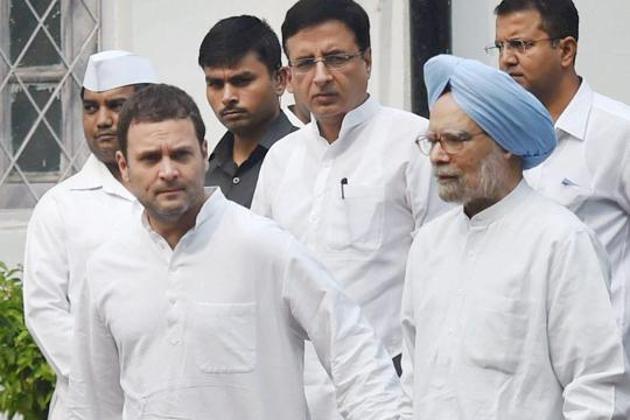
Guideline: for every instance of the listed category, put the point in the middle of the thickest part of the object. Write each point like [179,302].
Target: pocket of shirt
[357,220]
[571,195]
[223,337]
[495,332]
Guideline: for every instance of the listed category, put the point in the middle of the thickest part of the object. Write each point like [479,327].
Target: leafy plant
[26,379]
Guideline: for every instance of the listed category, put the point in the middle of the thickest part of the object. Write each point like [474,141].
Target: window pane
[42,153]
[22,23]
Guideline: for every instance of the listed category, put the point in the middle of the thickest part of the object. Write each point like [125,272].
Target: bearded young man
[589,172]
[201,309]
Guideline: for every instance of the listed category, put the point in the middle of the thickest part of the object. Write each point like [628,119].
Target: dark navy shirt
[238,182]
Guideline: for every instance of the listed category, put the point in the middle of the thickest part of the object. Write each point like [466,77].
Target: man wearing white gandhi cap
[77,215]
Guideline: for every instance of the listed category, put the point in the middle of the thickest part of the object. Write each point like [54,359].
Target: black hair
[307,13]
[232,38]
[560,18]
[157,103]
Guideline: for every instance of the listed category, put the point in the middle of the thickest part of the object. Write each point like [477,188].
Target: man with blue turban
[506,312]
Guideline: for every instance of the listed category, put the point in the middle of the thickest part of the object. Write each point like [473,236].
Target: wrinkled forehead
[447,114]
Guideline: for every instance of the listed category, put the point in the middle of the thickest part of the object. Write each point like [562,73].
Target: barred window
[44,48]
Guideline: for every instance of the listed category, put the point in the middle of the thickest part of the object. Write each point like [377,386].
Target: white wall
[604,45]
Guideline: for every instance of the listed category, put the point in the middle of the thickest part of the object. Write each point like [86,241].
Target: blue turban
[512,116]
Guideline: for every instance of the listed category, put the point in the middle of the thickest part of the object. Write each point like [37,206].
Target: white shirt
[215,327]
[363,237]
[589,173]
[293,119]
[507,316]
[68,223]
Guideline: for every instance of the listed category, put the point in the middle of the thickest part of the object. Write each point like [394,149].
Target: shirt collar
[223,150]
[515,198]
[574,118]
[357,116]
[95,175]
[277,129]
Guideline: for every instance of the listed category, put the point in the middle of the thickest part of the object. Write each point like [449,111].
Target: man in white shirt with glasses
[589,172]
[348,185]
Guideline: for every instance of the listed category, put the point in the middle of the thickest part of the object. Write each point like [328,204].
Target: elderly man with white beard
[506,312]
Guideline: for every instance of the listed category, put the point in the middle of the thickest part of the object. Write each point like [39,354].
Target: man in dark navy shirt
[240,57]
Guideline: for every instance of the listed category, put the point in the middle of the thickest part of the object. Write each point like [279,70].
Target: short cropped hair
[157,103]
[560,18]
[308,13]
[232,38]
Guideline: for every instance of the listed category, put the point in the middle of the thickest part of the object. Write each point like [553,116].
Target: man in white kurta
[589,171]
[349,184]
[78,215]
[201,309]
[506,312]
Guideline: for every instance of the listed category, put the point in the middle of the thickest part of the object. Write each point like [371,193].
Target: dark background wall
[430,35]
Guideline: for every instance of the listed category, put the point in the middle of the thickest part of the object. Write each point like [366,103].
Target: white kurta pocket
[223,336]
[356,221]
[495,332]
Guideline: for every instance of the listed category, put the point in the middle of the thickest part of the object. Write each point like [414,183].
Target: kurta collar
[208,218]
[95,175]
[357,116]
[574,119]
[498,210]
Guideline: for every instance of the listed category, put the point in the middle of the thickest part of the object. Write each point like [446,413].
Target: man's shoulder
[59,192]
[290,142]
[611,107]
[254,234]
[400,114]
[399,122]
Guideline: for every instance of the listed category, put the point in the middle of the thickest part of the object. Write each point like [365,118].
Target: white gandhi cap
[113,69]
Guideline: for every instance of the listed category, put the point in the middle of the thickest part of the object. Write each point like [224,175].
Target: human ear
[122,166]
[568,49]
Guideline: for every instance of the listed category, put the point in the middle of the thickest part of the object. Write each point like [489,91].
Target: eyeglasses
[520,46]
[451,143]
[331,61]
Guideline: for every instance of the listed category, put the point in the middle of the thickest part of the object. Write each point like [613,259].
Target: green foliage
[26,379]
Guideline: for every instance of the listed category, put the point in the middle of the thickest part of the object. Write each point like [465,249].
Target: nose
[168,170]
[438,155]
[322,74]
[104,118]
[229,95]
[507,58]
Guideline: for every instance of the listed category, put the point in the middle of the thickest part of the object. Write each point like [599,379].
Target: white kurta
[589,173]
[215,328]
[364,236]
[507,316]
[68,223]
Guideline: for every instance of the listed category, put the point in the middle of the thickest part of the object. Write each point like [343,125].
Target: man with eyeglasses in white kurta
[349,184]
